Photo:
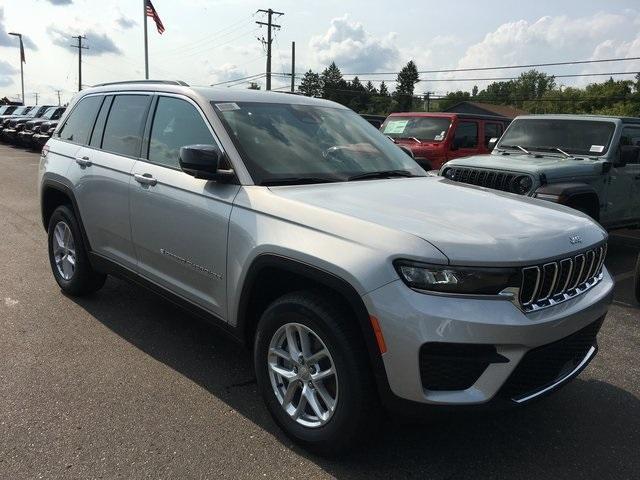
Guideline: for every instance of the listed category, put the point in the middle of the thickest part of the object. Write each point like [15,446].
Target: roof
[491,109]
[218,94]
[583,117]
[448,115]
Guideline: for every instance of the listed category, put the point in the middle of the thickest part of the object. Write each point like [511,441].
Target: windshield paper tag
[440,137]
[227,107]
[396,126]
[597,148]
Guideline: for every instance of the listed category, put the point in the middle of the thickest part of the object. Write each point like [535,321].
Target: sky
[213,41]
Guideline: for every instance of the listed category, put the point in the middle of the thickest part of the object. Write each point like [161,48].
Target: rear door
[465,140]
[104,167]
[179,223]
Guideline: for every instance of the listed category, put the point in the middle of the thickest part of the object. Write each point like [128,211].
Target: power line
[237,79]
[505,67]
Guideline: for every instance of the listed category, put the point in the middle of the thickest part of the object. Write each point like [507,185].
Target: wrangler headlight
[451,279]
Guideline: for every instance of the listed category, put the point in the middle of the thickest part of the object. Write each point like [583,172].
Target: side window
[176,123]
[631,136]
[491,130]
[123,130]
[98,130]
[80,122]
[466,135]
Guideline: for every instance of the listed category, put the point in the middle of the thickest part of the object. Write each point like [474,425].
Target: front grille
[555,282]
[544,366]
[455,366]
[497,180]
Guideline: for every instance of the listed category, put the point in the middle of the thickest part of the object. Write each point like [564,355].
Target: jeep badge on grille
[575,239]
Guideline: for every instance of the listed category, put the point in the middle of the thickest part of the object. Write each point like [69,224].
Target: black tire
[84,279]
[637,281]
[357,412]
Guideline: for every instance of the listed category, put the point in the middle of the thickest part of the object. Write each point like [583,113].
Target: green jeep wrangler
[590,163]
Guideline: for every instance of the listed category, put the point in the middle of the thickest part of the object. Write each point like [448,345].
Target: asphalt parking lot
[124,385]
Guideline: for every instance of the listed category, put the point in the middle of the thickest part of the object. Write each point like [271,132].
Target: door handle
[145,179]
[84,162]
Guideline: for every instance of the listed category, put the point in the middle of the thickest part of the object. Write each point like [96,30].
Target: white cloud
[7,40]
[353,48]
[98,43]
[6,73]
[226,72]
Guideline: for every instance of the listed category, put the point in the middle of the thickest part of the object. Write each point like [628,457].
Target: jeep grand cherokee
[356,280]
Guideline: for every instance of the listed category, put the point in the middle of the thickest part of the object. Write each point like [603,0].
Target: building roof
[488,108]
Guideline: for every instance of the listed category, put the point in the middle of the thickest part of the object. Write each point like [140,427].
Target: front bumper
[10,134]
[25,137]
[40,139]
[410,320]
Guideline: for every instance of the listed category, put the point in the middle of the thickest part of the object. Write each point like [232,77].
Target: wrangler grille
[496,180]
[554,282]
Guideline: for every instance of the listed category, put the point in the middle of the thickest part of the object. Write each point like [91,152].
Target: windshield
[49,112]
[572,136]
[433,129]
[19,110]
[310,143]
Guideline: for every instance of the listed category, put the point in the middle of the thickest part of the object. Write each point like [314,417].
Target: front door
[179,224]
[623,186]
[465,140]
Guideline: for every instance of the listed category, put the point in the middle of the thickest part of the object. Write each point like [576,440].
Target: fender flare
[329,280]
[564,193]
[52,184]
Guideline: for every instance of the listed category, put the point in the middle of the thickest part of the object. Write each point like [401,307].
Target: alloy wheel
[303,375]
[64,250]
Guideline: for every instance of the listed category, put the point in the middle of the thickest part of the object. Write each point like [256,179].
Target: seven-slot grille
[557,281]
[485,178]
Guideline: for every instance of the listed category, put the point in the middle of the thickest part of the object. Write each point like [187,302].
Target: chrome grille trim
[560,280]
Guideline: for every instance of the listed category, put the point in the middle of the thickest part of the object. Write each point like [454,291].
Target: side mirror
[406,150]
[628,154]
[203,161]
[492,143]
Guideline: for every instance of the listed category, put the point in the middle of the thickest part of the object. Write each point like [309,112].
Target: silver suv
[357,281]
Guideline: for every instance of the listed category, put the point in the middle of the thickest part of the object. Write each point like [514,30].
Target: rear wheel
[68,256]
[313,373]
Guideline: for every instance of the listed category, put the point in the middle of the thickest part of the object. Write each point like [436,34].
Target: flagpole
[19,35]
[146,45]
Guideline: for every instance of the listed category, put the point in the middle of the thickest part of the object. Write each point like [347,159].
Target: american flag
[22,58]
[151,12]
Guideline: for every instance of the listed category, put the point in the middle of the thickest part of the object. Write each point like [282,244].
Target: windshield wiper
[298,181]
[553,149]
[410,138]
[517,147]
[381,174]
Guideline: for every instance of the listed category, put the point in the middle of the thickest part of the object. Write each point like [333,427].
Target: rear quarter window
[80,122]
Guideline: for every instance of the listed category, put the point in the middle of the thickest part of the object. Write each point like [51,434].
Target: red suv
[435,138]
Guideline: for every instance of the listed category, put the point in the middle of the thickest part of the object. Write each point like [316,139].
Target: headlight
[521,184]
[449,173]
[450,279]
[51,130]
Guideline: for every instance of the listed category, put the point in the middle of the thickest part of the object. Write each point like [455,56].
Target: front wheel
[313,373]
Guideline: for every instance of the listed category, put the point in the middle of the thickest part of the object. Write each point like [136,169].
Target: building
[486,109]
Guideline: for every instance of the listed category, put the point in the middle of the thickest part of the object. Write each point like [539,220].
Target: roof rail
[143,82]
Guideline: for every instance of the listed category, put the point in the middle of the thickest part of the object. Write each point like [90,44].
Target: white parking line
[624,304]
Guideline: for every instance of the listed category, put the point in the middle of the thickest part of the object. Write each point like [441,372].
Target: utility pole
[80,47]
[22,61]
[293,67]
[427,101]
[269,24]
[58,92]
[36,94]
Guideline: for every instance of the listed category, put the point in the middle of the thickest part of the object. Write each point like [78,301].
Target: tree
[383,89]
[254,86]
[452,98]
[406,81]
[311,85]
[371,89]
[474,92]
[333,85]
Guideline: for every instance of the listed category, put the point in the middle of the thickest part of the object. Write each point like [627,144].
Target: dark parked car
[9,114]
[43,133]
[375,120]
[15,124]
[25,135]
[435,138]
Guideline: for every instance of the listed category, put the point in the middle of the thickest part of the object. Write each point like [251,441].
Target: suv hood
[470,225]
[552,166]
